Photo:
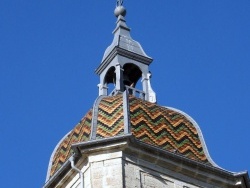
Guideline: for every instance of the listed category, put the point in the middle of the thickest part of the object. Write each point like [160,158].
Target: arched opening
[110,79]
[131,74]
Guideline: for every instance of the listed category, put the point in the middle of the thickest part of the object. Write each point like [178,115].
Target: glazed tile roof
[63,151]
[150,123]
[166,129]
[110,117]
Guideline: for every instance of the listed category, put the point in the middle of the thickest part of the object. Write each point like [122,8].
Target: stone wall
[142,174]
[114,170]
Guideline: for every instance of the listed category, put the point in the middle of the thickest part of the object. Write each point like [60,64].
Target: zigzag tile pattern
[110,121]
[150,123]
[166,129]
[79,134]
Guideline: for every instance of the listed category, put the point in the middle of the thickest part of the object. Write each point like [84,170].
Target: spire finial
[119,3]
[120,10]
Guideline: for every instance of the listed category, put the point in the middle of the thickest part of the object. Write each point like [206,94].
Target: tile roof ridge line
[95,116]
[126,113]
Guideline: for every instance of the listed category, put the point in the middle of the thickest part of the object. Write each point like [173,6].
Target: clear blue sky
[50,49]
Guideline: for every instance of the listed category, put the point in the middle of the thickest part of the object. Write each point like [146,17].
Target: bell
[127,81]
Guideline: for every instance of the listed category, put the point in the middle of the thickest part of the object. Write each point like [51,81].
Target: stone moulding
[139,153]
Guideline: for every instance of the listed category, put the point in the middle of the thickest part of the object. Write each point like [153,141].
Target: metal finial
[119,3]
[119,10]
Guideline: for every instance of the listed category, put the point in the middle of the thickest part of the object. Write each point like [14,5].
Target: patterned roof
[110,120]
[63,151]
[166,128]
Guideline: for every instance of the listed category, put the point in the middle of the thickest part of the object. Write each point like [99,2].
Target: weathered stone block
[112,162]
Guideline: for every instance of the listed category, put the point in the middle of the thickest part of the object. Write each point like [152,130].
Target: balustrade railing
[132,91]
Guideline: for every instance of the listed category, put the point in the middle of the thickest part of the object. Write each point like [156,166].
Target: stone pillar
[119,78]
[103,89]
[149,92]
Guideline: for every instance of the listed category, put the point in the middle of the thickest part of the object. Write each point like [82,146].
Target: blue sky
[50,49]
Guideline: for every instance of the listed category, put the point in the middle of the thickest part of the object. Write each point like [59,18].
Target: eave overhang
[58,176]
[130,144]
[124,53]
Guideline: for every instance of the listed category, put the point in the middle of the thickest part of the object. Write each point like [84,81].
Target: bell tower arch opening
[110,80]
[131,74]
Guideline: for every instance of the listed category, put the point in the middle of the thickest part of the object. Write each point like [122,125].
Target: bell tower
[126,140]
[125,63]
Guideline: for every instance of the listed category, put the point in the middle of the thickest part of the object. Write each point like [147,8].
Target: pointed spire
[122,36]
[121,27]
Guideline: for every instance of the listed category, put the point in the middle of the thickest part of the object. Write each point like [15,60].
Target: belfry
[127,140]
[124,62]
